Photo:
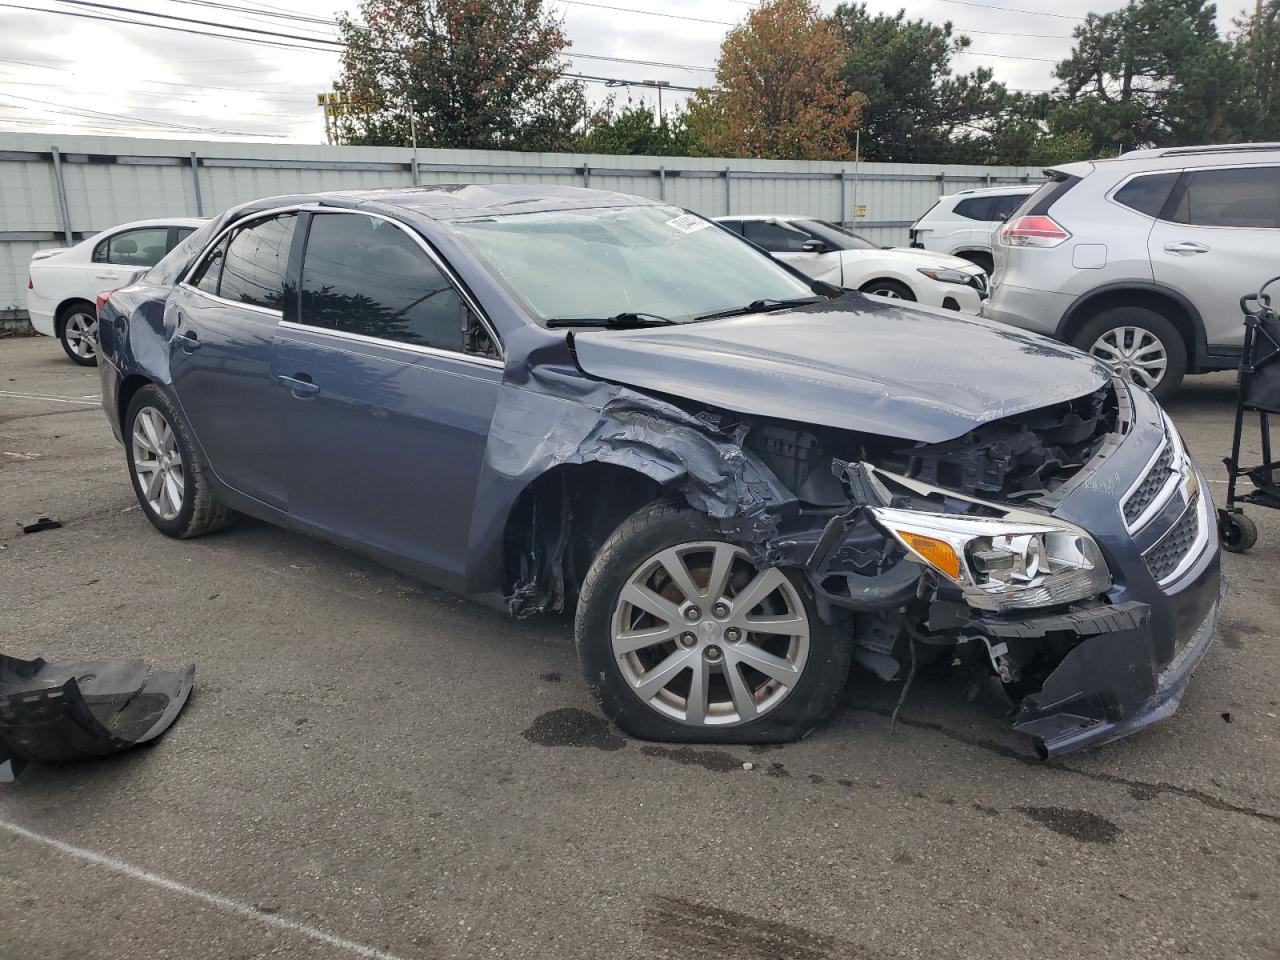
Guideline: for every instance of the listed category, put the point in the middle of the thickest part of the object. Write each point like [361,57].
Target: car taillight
[1038,231]
[100,301]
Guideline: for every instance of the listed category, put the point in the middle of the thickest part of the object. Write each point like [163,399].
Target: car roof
[461,201]
[1175,158]
[768,216]
[159,222]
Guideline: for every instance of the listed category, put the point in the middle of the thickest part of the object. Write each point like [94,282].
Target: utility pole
[413,137]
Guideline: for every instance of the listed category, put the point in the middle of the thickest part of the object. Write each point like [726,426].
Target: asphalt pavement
[373,768]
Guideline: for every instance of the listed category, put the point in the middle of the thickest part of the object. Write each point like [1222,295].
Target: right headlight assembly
[1002,564]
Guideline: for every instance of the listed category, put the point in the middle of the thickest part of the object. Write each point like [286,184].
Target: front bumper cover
[1110,685]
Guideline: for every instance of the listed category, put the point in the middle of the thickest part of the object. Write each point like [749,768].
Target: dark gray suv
[739,481]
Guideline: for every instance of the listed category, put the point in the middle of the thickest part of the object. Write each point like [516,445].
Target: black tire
[1237,532]
[67,327]
[1155,324]
[645,533]
[887,287]
[979,259]
[201,512]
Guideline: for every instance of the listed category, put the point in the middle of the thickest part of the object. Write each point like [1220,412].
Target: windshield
[599,263]
[838,236]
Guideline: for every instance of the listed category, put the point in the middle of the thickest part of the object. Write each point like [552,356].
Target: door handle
[299,385]
[1185,248]
[190,342]
[107,276]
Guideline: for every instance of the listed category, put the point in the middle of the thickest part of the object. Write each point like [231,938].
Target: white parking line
[36,396]
[213,899]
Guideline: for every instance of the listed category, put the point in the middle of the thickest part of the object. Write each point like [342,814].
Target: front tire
[78,333]
[1140,344]
[683,638]
[890,289]
[170,477]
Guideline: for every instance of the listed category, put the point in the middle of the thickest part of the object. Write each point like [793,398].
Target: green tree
[778,89]
[1153,73]
[481,74]
[1257,43]
[917,107]
[635,129]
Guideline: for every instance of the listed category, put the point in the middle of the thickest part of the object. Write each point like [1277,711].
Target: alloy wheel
[887,292]
[704,637]
[81,333]
[157,463]
[1135,353]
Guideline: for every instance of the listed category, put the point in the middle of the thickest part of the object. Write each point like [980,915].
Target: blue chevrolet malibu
[741,483]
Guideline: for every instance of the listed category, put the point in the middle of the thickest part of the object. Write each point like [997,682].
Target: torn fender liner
[57,713]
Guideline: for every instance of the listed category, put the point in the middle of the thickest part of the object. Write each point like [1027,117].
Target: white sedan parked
[64,281]
[825,251]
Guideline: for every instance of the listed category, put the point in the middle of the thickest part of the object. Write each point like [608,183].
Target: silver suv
[1142,260]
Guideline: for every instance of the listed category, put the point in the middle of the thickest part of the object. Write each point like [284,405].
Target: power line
[992,6]
[51,107]
[204,23]
[649,13]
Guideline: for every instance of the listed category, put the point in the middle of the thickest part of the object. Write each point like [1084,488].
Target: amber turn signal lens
[937,553]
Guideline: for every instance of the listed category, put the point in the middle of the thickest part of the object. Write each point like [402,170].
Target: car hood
[856,363]
[920,258]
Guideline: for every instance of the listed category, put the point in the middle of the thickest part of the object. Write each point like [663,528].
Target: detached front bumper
[1115,682]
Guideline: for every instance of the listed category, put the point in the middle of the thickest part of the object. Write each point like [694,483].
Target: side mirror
[814,246]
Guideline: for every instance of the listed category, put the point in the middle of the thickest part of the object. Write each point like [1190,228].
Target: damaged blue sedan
[740,482]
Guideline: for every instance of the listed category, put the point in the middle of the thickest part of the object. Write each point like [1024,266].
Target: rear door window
[1147,194]
[1005,204]
[1243,197]
[143,247]
[367,276]
[256,261]
[774,237]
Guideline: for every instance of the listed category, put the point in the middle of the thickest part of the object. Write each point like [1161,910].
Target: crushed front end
[1067,557]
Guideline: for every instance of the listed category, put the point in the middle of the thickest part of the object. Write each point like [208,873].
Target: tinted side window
[256,262]
[1147,194]
[205,276]
[774,237]
[1245,197]
[1005,204]
[977,208]
[733,226]
[367,276]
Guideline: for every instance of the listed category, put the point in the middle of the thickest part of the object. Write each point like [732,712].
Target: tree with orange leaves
[779,91]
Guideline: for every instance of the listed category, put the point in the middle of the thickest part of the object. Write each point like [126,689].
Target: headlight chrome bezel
[945,275]
[1002,564]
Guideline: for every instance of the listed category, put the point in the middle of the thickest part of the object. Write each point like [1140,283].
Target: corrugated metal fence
[57,190]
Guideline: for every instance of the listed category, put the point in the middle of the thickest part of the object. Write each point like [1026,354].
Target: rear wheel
[683,637]
[891,289]
[78,333]
[1140,344]
[170,478]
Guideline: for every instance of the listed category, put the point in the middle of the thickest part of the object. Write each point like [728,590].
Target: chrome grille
[1147,491]
[1164,557]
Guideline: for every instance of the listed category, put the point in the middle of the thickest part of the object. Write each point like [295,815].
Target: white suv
[1142,260]
[961,224]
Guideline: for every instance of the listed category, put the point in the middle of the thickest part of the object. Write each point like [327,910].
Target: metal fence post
[586,175]
[662,182]
[728,191]
[195,182]
[844,207]
[61,188]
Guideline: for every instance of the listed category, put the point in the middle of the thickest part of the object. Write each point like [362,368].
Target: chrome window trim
[397,344]
[267,311]
[316,207]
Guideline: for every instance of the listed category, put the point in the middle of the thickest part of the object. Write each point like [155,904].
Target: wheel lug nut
[692,613]
[712,653]
[688,639]
[733,634]
[720,610]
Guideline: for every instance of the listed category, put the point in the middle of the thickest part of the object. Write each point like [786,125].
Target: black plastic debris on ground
[41,523]
[63,712]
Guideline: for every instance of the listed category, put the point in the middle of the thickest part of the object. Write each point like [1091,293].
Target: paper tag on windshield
[688,223]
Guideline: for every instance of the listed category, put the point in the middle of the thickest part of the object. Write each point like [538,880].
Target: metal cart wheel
[1237,532]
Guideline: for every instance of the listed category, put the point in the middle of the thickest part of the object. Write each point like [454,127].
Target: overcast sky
[75,74]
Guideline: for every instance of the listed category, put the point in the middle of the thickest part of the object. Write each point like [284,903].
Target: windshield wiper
[617,321]
[757,306]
